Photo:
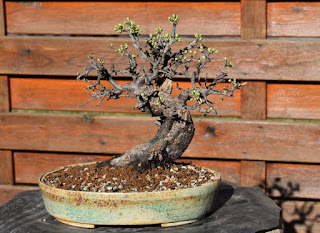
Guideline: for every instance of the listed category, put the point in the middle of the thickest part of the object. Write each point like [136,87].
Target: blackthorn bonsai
[152,86]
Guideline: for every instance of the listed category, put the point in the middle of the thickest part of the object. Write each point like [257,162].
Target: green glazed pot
[86,209]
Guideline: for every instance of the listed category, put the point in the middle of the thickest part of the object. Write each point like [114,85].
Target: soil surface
[125,179]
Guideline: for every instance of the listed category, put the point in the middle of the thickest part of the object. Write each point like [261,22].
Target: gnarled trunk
[172,139]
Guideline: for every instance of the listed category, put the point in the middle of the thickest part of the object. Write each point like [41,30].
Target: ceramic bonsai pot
[171,207]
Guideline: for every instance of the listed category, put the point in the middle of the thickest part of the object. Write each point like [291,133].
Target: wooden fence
[269,135]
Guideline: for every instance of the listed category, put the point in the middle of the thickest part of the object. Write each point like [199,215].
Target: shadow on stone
[225,193]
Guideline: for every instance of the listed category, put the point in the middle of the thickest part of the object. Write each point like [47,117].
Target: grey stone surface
[238,209]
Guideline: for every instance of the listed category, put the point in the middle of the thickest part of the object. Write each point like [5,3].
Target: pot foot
[76,224]
[174,224]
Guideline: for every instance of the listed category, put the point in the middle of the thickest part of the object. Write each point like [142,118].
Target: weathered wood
[6,167]
[253,174]
[233,139]
[29,166]
[229,170]
[254,101]
[99,18]
[2,19]
[64,94]
[293,180]
[294,19]
[253,60]
[299,101]
[8,191]
[301,216]
[253,19]
[253,26]
[4,94]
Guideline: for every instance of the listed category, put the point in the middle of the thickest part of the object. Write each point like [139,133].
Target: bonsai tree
[152,86]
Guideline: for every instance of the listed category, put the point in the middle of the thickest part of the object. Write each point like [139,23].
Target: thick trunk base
[172,139]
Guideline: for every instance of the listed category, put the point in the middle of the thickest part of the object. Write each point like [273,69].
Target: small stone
[190,167]
[115,189]
[109,188]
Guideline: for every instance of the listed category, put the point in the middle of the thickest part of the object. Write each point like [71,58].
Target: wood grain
[30,166]
[296,19]
[253,19]
[294,180]
[229,170]
[4,94]
[225,139]
[64,94]
[8,191]
[253,60]
[298,101]
[253,173]
[6,167]
[99,18]
[2,19]
[254,101]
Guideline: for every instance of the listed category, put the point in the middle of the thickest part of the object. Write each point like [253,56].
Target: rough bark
[176,130]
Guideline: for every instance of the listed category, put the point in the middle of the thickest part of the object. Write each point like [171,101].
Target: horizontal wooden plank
[29,166]
[8,191]
[99,18]
[278,59]
[293,180]
[298,101]
[298,19]
[233,139]
[301,216]
[64,94]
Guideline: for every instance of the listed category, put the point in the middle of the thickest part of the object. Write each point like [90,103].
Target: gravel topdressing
[125,179]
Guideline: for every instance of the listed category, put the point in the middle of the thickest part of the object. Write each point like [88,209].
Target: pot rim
[43,185]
